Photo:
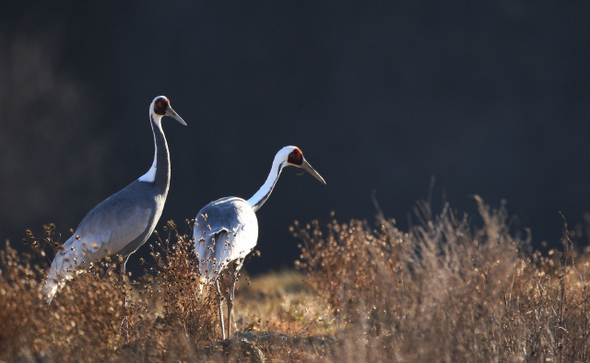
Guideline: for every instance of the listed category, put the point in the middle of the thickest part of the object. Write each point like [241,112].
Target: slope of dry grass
[444,291]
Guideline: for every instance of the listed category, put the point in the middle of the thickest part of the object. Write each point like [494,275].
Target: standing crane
[226,230]
[124,221]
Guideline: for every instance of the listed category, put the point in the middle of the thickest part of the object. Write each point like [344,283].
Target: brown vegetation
[444,291]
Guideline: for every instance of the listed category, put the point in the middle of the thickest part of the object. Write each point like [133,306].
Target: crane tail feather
[49,290]
[59,273]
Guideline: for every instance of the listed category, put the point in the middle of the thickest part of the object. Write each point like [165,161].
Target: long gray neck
[264,192]
[159,173]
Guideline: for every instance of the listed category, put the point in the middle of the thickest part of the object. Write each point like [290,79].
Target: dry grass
[444,291]
[281,302]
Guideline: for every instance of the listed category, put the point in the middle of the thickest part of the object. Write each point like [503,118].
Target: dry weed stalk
[179,287]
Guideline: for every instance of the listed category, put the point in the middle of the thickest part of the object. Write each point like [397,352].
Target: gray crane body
[120,224]
[226,230]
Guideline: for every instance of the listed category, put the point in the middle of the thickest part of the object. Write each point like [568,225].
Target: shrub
[446,291]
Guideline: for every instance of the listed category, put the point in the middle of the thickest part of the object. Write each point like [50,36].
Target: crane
[124,221]
[226,230]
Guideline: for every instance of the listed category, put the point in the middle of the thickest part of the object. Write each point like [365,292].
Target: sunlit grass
[281,302]
[444,291]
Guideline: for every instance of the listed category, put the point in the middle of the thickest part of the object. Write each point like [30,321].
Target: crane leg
[124,282]
[230,298]
[220,301]
[125,322]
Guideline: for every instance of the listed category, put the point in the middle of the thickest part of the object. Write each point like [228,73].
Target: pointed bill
[307,167]
[170,112]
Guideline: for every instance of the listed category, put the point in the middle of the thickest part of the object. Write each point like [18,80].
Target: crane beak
[170,112]
[307,167]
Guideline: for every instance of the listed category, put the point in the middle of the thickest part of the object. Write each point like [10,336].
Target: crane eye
[295,157]
[160,106]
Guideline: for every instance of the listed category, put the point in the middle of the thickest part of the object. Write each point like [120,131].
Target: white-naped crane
[226,231]
[124,221]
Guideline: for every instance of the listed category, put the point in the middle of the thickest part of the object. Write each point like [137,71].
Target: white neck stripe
[150,176]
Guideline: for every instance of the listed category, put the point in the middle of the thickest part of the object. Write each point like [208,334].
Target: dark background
[490,98]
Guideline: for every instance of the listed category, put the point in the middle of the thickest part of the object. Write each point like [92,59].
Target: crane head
[294,157]
[161,107]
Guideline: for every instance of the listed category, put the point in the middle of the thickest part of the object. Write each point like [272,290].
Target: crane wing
[104,231]
[225,231]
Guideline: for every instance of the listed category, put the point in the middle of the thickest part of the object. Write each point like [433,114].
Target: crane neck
[159,173]
[264,192]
